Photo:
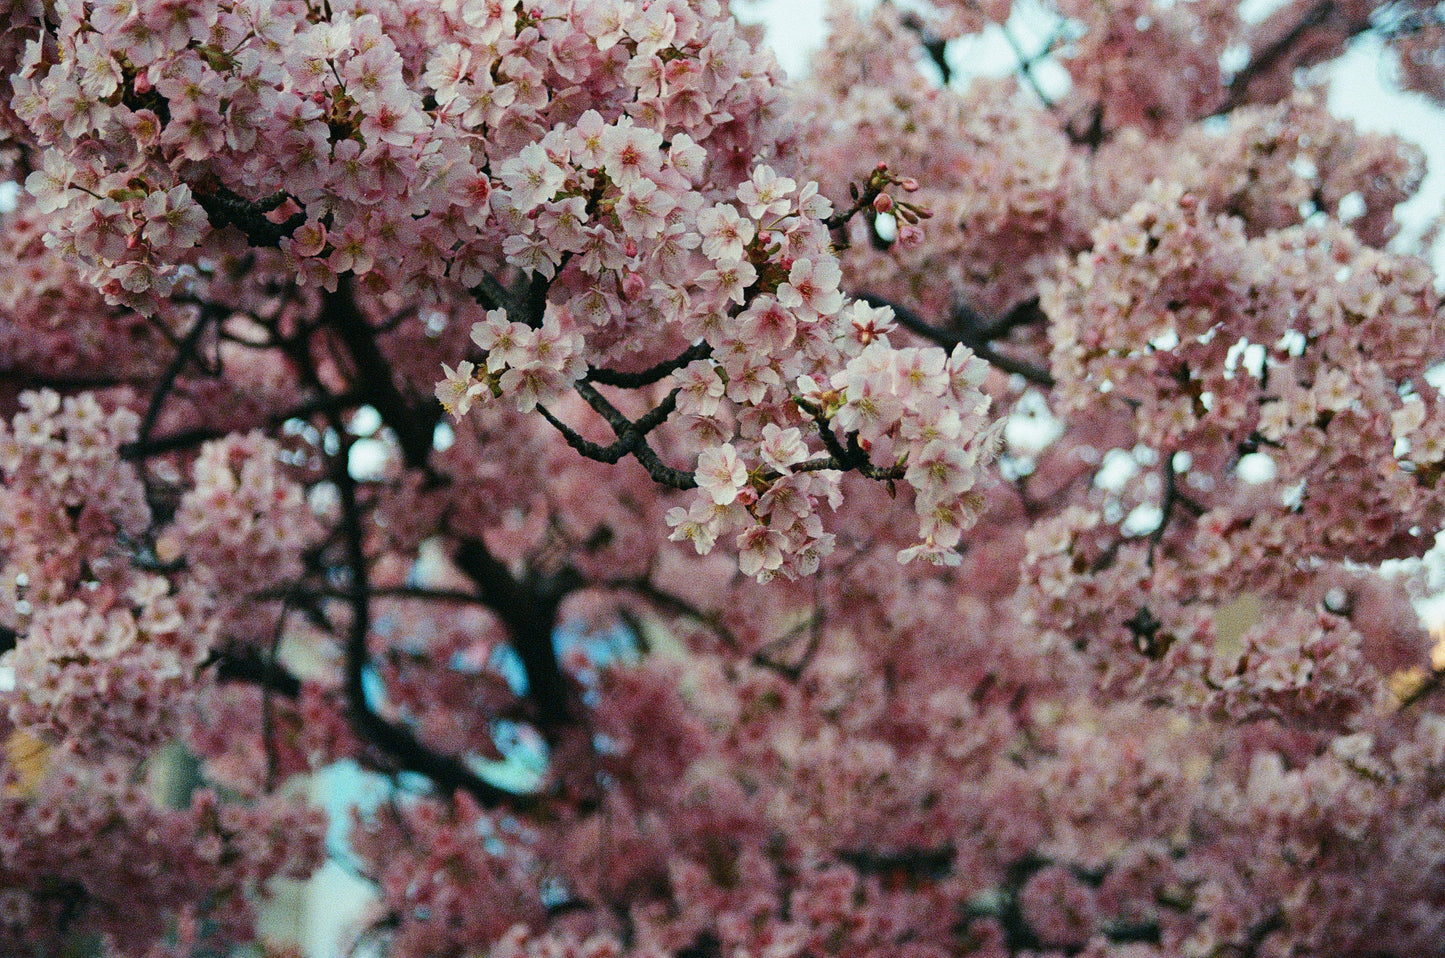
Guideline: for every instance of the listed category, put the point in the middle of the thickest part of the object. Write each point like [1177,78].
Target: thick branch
[395,741]
[935,46]
[1173,496]
[185,352]
[676,605]
[631,436]
[1280,50]
[252,668]
[646,377]
[225,208]
[841,456]
[528,608]
[373,380]
[398,742]
[915,863]
[190,438]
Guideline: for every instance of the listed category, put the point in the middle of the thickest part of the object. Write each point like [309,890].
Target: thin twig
[1026,67]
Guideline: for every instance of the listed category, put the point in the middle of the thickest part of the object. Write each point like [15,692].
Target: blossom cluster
[1006,188]
[242,527]
[1149,65]
[365,135]
[419,165]
[110,678]
[67,497]
[107,657]
[52,320]
[761,276]
[1164,313]
[59,879]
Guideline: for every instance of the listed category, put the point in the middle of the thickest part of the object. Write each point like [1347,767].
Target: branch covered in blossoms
[224,208]
[481,397]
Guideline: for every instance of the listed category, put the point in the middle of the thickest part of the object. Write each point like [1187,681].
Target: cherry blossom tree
[353,353]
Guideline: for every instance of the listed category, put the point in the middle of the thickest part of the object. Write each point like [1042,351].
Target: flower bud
[632,286]
[909,235]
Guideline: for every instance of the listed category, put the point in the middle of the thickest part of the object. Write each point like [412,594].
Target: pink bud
[909,184]
[882,203]
[909,235]
[632,286]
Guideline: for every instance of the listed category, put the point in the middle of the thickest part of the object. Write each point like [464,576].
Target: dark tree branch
[190,438]
[1280,50]
[297,594]
[186,351]
[1027,313]
[646,377]
[528,608]
[534,298]
[373,375]
[592,450]
[660,471]
[1432,681]
[676,605]
[27,379]
[1238,89]
[493,295]
[225,208]
[658,414]
[249,666]
[917,325]
[917,864]
[396,741]
[268,717]
[935,46]
[841,456]
[1174,496]
[631,436]
[1026,67]
[767,656]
